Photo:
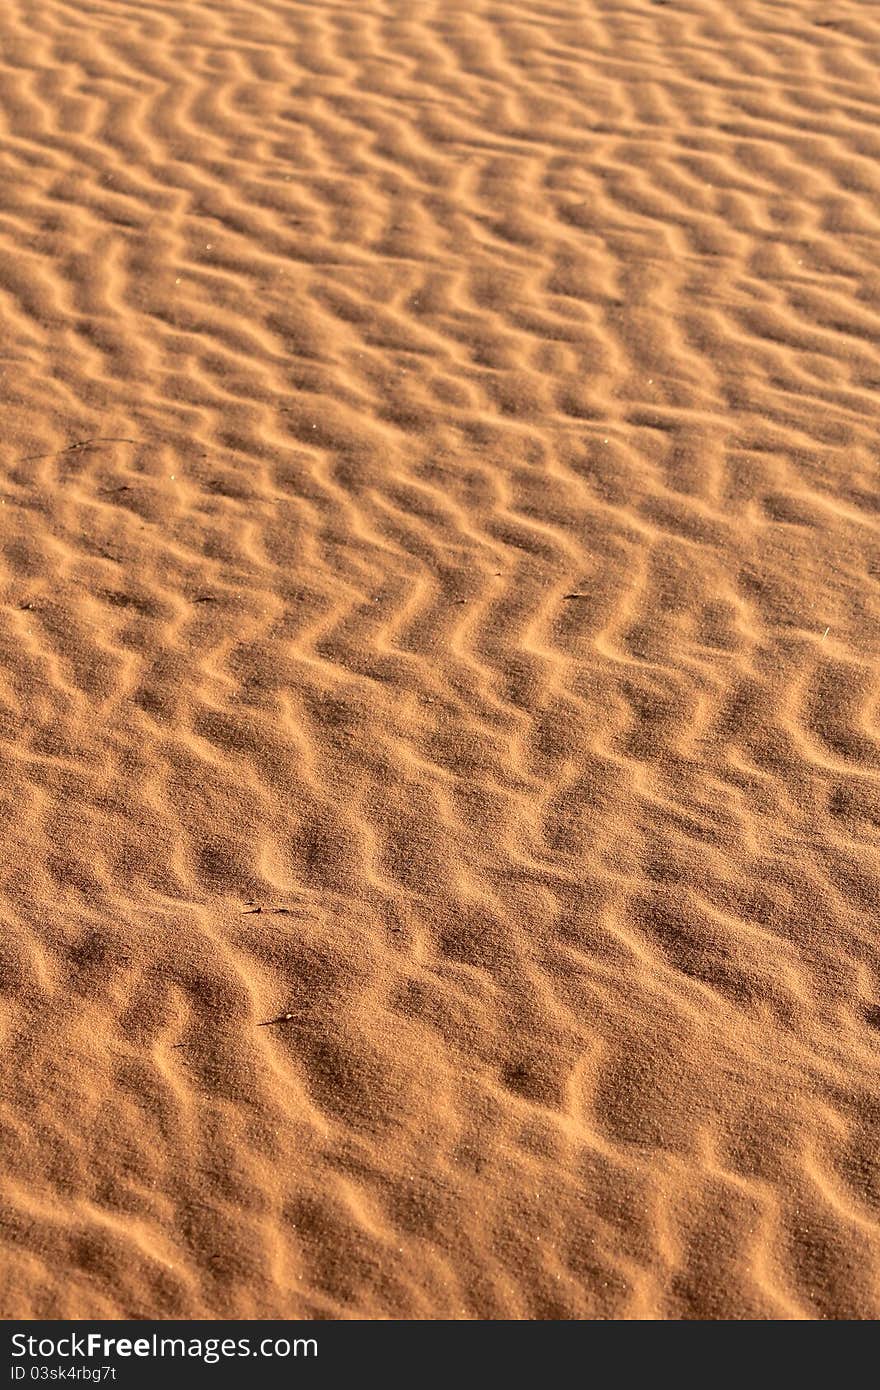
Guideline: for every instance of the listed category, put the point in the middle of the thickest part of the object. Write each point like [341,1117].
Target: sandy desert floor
[440,622]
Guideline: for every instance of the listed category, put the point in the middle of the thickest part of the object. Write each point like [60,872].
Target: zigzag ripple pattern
[440,508]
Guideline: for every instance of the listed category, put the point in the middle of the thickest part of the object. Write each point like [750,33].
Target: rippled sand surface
[440,626]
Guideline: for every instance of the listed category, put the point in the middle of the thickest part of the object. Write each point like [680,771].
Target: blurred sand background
[440,622]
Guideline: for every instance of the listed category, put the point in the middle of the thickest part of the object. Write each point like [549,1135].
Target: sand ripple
[440,509]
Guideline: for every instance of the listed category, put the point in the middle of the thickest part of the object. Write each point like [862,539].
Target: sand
[440,620]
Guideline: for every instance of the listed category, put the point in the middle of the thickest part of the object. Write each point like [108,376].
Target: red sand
[441,509]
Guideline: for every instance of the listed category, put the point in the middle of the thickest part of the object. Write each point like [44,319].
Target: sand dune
[440,620]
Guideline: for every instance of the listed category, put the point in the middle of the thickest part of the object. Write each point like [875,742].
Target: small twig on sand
[78,444]
[277,911]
